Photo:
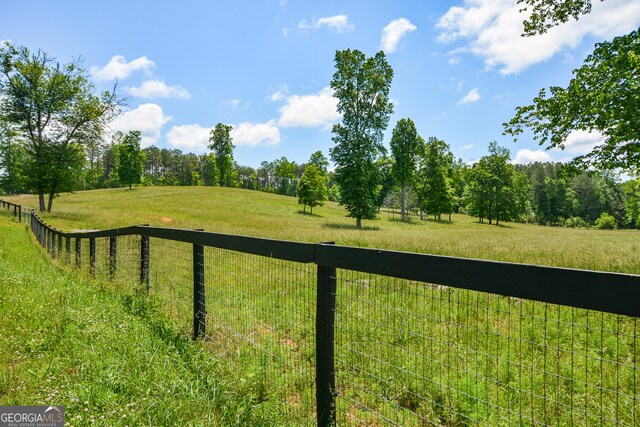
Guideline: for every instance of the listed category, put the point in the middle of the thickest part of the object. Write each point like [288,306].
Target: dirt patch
[165,219]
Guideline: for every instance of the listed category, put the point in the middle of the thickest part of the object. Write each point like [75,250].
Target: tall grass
[238,211]
[110,358]
[406,353]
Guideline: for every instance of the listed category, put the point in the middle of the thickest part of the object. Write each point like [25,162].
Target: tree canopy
[222,146]
[312,188]
[547,14]
[361,86]
[406,145]
[54,112]
[130,158]
[603,96]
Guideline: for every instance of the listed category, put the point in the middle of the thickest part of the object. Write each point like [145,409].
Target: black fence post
[49,236]
[54,235]
[78,253]
[92,256]
[15,211]
[113,253]
[60,246]
[19,213]
[144,262]
[68,248]
[199,302]
[325,330]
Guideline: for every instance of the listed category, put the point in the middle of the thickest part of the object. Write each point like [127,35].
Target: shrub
[575,222]
[605,222]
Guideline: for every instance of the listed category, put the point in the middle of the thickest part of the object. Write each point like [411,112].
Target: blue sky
[460,67]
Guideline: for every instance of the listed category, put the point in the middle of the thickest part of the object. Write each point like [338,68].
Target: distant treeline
[549,196]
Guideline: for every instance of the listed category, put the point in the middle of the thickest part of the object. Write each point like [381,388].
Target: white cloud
[195,138]
[526,156]
[454,60]
[233,103]
[491,30]
[467,147]
[119,68]
[191,137]
[393,32]
[147,118]
[279,94]
[472,96]
[313,110]
[582,141]
[285,31]
[159,89]
[253,134]
[340,23]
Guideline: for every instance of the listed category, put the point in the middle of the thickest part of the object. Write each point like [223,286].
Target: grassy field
[253,213]
[408,353]
[109,358]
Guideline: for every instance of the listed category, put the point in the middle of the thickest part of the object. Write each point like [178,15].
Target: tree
[495,190]
[435,190]
[11,161]
[285,172]
[312,188]
[54,112]
[361,86]
[222,146]
[603,96]
[406,145]
[546,14]
[320,161]
[208,168]
[632,201]
[130,158]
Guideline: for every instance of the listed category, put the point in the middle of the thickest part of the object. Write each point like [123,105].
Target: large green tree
[361,86]
[130,158]
[435,191]
[406,145]
[495,190]
[312,188]
[603,96]
[222,146]
[55,112]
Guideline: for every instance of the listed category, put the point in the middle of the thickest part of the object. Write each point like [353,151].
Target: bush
[575,222]
[605,222]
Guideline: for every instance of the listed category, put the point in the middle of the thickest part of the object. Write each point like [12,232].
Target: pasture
[245,212]
[406,352]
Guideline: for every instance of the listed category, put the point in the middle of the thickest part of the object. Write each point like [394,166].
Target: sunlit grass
[237,211]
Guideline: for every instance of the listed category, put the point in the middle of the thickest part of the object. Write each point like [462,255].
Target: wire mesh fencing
[411,354]
[261,317]
[353,336]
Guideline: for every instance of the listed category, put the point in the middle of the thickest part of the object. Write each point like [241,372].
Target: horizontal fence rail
[356,336]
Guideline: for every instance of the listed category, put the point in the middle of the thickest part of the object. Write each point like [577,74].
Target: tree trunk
[358,222]
[449,217]
[129,186]
[402,203]
[311,210]
[304,209]
[50,204]
[41,201]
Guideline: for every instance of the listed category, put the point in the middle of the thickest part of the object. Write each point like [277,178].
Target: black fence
[355,336]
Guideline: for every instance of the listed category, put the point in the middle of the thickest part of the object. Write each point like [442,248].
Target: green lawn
[254,213]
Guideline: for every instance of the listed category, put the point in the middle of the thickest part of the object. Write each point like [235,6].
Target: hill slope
[237,211]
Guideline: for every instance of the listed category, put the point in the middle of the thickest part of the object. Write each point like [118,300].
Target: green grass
[404,350]
[109,358]
[253,213]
